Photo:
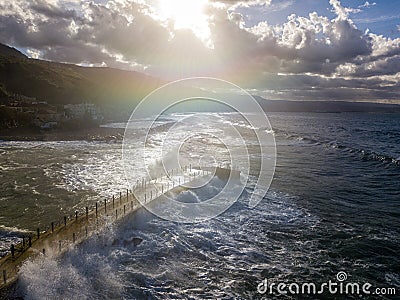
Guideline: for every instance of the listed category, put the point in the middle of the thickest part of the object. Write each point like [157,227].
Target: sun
[186,14]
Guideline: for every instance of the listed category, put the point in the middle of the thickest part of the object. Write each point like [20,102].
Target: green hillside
[59,83]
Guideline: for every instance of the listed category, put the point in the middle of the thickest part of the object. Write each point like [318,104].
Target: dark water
[334,205]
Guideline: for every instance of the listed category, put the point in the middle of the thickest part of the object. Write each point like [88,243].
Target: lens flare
[186,14]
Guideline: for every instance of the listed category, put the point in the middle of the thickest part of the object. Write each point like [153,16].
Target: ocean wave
[9,236]
[362,154]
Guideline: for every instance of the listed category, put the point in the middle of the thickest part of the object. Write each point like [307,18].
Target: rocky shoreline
[86,134]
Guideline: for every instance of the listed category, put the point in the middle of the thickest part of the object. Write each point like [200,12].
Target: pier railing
[60,235]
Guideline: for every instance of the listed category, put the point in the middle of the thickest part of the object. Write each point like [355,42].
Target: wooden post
[23,242]
[65,220]
[131,205]
[12,250]
[105,206]
[124,209]
[59,246]
[127,195]
[38,233]
[30,241]
[162,189]
[76,215]
[96,209]
[116,214]
[120,198]
[86,231]
[113,201]
[52,226]
[5,276]
[87,212]
[44,251]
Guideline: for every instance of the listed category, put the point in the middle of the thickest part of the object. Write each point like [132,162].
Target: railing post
[38,233]
[86,231]
[113,201]
[116,214]
[120,198]
[23,242]
[12,250]
[127,195]
[52,226]
[65,220]
[96,209]
[59,246]
[131,205]
[124,210]
[151,195]
[162,189]
[76,215]
[105,206]
[5,276]
[30,241]
[87,212]
[73,237]
[145,196]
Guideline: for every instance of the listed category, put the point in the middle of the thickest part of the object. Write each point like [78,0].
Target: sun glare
[187,14]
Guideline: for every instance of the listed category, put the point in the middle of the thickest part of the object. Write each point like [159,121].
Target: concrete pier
[74,229]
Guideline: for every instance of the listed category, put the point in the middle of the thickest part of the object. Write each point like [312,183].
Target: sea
[333,207]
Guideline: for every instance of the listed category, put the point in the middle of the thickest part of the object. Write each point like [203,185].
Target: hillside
[325,106]
[118,90]
[10,52]
[59,83]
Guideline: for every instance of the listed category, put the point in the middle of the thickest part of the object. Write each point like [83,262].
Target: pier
[59,236]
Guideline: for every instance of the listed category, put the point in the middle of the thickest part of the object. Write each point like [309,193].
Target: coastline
[85,134]
[10,291]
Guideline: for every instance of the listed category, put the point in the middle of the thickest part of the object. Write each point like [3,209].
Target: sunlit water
[334,205]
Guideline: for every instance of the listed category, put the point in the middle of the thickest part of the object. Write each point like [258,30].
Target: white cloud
[313,54]
[367,4]
[33,53]
[341,11]
[243,3]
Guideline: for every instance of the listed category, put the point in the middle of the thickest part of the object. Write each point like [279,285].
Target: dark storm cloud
[52,11]
[313,54]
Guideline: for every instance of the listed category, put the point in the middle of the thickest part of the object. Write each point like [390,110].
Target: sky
[290,49]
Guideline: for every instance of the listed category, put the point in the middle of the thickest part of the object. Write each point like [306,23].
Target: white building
[79,111]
